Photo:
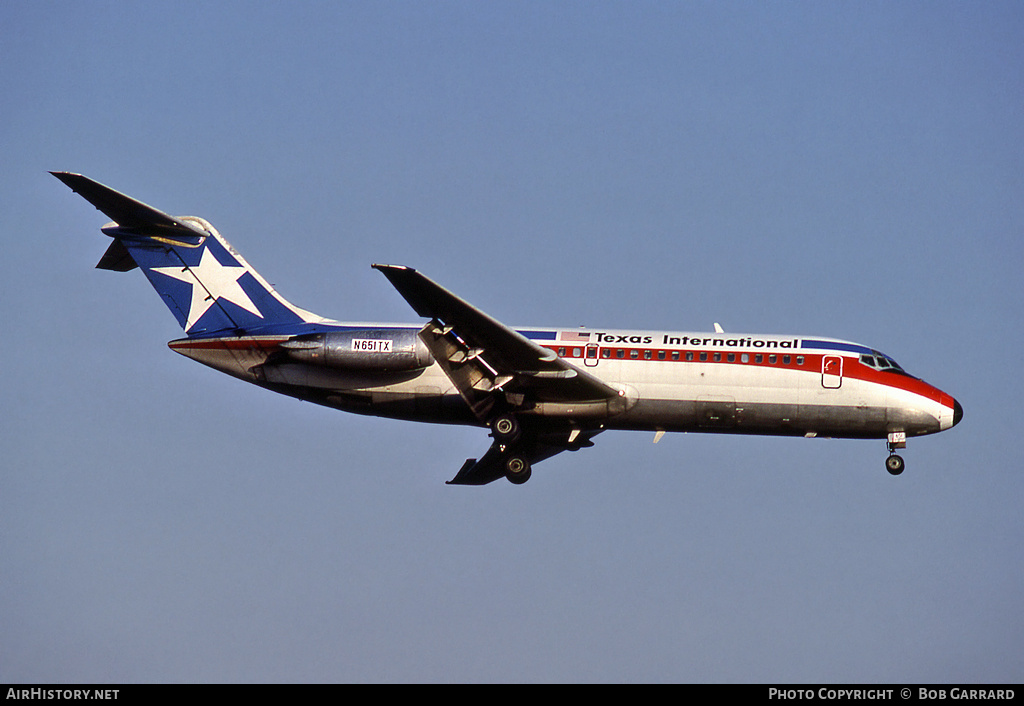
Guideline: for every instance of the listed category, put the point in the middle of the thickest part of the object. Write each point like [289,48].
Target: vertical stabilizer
[205,283]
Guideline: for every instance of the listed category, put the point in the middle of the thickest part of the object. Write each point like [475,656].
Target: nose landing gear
[894,463]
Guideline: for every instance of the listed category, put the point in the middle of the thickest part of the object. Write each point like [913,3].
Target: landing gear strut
[894,464]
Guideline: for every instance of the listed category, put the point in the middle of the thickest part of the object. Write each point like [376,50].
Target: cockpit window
[879,361]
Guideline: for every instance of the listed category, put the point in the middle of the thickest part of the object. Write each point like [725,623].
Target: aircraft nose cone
[958,412]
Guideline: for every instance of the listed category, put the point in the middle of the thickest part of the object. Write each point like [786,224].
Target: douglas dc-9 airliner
[540,391]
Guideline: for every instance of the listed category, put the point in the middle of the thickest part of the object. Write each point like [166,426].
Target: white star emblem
[211,281]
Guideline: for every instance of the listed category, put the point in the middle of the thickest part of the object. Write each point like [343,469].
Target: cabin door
[831,371]
[590,355]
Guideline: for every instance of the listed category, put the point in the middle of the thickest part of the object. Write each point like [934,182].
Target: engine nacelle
[384,349]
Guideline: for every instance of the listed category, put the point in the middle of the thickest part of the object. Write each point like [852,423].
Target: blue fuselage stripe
[835,345]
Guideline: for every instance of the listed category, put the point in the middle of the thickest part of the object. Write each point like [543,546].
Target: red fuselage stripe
[812,363]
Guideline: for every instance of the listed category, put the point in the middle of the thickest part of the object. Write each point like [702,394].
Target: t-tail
[206,284]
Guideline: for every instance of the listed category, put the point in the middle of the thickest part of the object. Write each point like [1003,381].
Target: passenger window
[675,355]
[731,357]
[620,353]
[661,355]
[704,357]
[576,352]
[758,358]
[772,359]
[785,360]
[561,352]
[799,360]
[689,355]
[606,352]
[718,357]
[634,354]
[744,358]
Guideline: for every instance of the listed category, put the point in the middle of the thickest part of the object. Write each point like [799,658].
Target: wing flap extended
[505,347]
[462,336]
[469,374]
[499,372]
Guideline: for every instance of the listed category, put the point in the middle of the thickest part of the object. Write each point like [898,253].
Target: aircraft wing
[498,370]
[482,356]
[539,447]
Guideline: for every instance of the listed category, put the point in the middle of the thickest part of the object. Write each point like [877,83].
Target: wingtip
[70,178]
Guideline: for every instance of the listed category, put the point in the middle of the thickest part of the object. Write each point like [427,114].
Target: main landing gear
[505,429]
[506,432]
[517,469]
[894,463]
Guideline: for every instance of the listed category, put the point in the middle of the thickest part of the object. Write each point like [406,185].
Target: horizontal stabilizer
[131,215]
[117,258]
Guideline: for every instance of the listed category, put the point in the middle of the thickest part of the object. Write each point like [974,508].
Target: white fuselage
[713,382]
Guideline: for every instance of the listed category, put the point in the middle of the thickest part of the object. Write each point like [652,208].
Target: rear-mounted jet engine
[383,349]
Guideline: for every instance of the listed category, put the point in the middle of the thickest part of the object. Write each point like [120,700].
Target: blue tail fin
[204,282]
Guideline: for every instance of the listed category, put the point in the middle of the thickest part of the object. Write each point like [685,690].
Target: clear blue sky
[837,169]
